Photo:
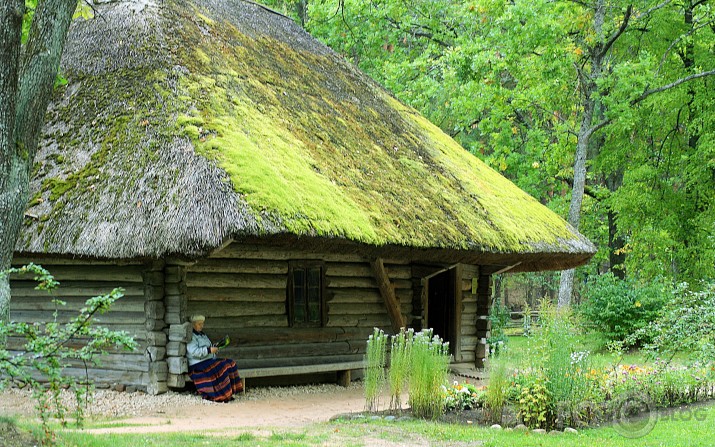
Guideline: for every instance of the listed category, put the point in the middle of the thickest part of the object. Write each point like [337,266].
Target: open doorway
[442,305]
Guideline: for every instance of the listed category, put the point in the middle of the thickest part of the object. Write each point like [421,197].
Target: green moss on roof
[304,143]
[300,138]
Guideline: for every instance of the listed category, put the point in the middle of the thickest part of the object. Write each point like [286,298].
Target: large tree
[27,75]
[563,97]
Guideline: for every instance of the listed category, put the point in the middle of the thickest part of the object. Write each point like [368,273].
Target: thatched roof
[188,123]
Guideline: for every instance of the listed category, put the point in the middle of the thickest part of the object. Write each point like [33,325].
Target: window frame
[290,293]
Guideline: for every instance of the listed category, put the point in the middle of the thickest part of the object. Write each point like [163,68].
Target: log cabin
[209,156]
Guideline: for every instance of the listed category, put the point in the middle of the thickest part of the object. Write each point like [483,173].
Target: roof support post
[387,290]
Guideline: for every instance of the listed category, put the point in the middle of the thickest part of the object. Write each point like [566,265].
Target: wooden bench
[343,369]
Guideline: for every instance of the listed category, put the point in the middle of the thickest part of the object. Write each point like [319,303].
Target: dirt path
[258,410]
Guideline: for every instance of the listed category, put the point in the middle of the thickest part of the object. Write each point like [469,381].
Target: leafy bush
[620,308]
[50,345]
[499,317]
[535,404]
[685,324]
[460,397]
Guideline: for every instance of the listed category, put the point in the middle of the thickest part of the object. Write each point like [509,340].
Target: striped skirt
[216,379]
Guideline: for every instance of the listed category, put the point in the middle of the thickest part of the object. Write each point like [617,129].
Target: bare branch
[652,91]
[676,41]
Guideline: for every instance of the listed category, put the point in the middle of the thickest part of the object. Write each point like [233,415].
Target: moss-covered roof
[188,123]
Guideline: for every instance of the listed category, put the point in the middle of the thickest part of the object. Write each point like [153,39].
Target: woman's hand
[213,349]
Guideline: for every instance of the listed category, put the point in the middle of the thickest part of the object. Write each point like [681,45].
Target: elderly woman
[215,378]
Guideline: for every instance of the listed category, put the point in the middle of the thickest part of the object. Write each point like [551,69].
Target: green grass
[681,429]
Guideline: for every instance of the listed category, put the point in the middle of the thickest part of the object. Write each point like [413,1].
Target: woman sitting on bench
[215,378]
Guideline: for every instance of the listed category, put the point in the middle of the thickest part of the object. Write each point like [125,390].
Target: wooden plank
[234,294]
[99,375]
[302,369]
[388,294]
[363,270]
[233,309]
[456,330]
[250,281]
[248,364]
[261,266]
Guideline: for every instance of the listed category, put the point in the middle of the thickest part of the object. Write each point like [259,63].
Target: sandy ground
[257,410]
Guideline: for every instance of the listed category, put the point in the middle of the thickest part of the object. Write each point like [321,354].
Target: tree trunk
[27,76]
[584,135]
[11,13]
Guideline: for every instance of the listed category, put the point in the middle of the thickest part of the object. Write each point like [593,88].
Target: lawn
[693,426]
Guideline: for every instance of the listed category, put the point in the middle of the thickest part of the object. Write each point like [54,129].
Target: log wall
[242,292]
[80,280]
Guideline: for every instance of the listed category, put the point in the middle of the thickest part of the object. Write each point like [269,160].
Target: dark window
[305,294]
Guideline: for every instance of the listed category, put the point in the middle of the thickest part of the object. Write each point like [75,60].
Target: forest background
[602,110]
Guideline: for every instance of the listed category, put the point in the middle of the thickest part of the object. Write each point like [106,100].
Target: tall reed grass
[430,369]
[375,361]
[400,366]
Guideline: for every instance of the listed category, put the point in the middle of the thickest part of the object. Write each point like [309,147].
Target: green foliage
[535,404]
[420,361]
[620,309]
[375,362]
[460,397]
[499,316]
[430,369]
[400,365]
[686,324]
[497,390]
[50,346]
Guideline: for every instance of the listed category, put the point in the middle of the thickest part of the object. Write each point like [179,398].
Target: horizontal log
[48,262]
[469,271]
[261,266]
[154,310]
[105,273]
[156,338]
[267,336]
[336,282]
[155,353]
[363,270]
[292,350]
[78,289]
[119,362]
[110,318]
[99,375]
[73,304]
[234,309]
[380,321]
[250,281]
[154,325]
[242,251]
[236,294]
[336,309]
[353,296]
[221,324]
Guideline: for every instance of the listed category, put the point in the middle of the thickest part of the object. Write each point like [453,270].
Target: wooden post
[387,291]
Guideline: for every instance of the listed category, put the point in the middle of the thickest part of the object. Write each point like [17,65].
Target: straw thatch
[185,124]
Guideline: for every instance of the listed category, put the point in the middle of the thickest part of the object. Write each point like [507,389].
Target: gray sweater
[199,348]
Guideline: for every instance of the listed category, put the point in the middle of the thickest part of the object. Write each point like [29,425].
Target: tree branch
[617,34]
[652,91]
